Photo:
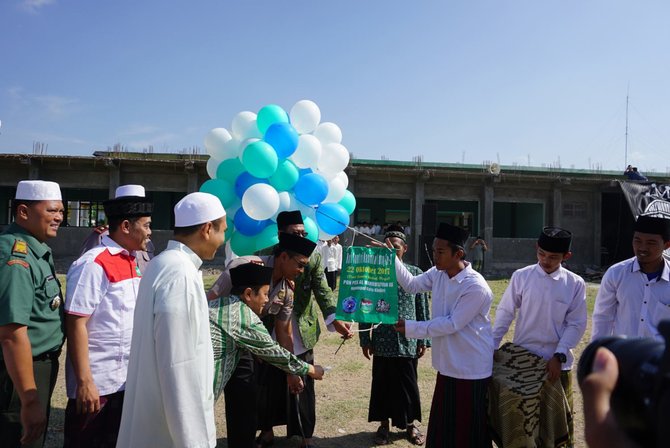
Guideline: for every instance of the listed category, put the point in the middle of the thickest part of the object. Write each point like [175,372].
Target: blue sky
[454,81]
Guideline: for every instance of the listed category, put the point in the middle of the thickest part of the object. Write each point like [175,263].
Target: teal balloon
[270,115]
[260,159]
[231,227]
[242,244]
[221,189]
[268,237]
[229,169]
[348,201]
[285,177]
[311,229]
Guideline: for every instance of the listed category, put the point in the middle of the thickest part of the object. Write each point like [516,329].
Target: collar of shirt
[665,275]
[176,245]
[556,275]
[38,248]
[113,247]
[465,273]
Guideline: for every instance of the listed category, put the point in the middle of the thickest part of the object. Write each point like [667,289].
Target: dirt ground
[342,397]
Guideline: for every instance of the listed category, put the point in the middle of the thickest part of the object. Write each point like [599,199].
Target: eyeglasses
[301,233]
[301,265]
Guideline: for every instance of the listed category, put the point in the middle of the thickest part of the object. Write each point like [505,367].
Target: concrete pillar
[597,226]
[557,206]
[191,181]
[33,171]
[114,179]
[487,222]
[416,205]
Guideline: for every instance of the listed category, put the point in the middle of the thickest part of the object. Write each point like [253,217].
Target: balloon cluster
[275,161]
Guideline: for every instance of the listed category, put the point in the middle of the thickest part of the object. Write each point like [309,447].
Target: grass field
[342,397]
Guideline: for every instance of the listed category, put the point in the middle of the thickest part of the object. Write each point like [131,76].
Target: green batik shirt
[234,328]
[312,284]
[385,340]
[30,293]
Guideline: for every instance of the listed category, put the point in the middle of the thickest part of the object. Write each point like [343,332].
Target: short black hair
[455,248]
[17,202]
[190,230]
[115,222]
[238,290]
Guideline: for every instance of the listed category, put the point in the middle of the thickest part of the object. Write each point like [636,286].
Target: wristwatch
[561,357]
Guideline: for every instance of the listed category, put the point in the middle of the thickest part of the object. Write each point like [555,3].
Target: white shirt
[629,304]
[169,400]
[332,254]
[552,312]
[460,328]
[103,285]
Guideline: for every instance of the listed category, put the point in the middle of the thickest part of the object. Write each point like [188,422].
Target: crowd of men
[149,350]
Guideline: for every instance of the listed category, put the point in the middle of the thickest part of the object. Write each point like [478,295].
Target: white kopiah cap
[38,190]
[197,208]
[129,190]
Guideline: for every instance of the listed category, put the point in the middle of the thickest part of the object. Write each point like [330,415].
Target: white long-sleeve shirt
[629,304]
[331,254]
[169,400]
[460,328]
[552,312]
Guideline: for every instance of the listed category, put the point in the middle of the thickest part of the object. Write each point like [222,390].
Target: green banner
[368,287]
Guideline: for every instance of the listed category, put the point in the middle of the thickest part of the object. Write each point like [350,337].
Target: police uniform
[30,295]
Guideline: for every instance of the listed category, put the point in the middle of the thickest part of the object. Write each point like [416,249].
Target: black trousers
[302,407]
[240,395]
[45,370]
[331,278]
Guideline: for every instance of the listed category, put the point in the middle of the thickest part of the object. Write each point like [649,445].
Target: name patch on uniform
[20,247]
[21,262]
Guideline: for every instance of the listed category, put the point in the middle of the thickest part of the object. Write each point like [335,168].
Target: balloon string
[350,228]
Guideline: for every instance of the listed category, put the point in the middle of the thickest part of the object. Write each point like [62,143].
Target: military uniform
[30,295]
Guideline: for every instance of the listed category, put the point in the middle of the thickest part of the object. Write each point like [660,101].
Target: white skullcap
[129,190]
[38,190]
[197,208]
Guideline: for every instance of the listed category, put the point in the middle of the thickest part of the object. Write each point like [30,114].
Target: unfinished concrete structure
[507,208]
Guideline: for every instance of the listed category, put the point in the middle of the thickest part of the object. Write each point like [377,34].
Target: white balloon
[260,201]
[305,116]
[212,165]
[231,149]
[336,190]
[344,178]
[334,158]
[284,204]
[308,152]
[328,133]
[215,141]
[306,210]
[244,126]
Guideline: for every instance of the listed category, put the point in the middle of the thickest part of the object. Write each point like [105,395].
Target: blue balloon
[283,138]
[303,171]
[332,218]
[244,181]
[311,189]
[248,226]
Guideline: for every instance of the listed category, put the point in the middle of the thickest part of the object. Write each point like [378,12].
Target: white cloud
[33,6]
[56,106]
[139,129]
[50,106]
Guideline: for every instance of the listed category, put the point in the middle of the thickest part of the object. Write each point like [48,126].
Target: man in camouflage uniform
[31,333]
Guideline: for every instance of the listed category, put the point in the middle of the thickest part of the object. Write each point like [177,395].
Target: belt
[47,356]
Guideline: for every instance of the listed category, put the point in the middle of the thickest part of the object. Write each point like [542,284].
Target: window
[517,219]
[576,209]
[85,214]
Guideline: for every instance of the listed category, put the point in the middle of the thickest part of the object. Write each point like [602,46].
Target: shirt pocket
[559,308]
[662,311]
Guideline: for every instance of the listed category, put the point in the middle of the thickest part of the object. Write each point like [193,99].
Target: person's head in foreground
[251,283]
[200,223]
[553,248]
[129,217]
[449,247]
[292,255]
[38,208]
[650,239]
[396,236]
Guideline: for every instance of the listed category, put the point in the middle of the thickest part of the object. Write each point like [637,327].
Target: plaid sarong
[525,410]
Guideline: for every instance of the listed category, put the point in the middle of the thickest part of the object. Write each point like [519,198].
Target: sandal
[415,436]
[382,435]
